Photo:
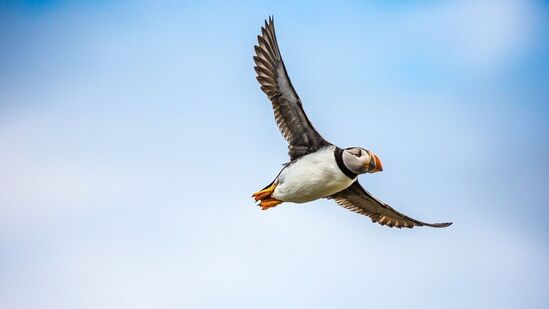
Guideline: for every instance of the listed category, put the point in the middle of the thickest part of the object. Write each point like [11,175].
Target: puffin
[317,168]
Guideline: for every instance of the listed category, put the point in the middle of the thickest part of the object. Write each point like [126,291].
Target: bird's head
[359,160]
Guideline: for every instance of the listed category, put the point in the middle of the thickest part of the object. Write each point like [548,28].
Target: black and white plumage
[318,169]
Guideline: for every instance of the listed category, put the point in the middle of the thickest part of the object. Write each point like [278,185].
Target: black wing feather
[357,199]
[288,110]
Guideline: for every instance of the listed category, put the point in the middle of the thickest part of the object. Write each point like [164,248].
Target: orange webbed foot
[269,203]
[265,199]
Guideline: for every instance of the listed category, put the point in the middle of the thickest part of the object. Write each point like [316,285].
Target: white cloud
[41,180]
[276,263]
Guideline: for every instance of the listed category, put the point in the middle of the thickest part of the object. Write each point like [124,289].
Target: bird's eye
[359,153]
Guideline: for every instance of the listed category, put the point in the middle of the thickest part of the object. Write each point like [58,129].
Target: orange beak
[377,162]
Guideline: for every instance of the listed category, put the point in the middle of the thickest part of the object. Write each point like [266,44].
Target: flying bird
[318,169]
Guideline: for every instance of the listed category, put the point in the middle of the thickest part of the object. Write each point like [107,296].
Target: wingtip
[445,224]
[269,20]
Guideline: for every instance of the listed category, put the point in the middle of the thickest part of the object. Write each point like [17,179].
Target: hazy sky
[132,136]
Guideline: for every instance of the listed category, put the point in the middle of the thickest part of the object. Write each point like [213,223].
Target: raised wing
[288,110]
[356,199]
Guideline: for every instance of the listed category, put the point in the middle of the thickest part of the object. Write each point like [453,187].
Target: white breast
[311,177]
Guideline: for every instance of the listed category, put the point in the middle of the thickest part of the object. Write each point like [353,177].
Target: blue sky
[133,134]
